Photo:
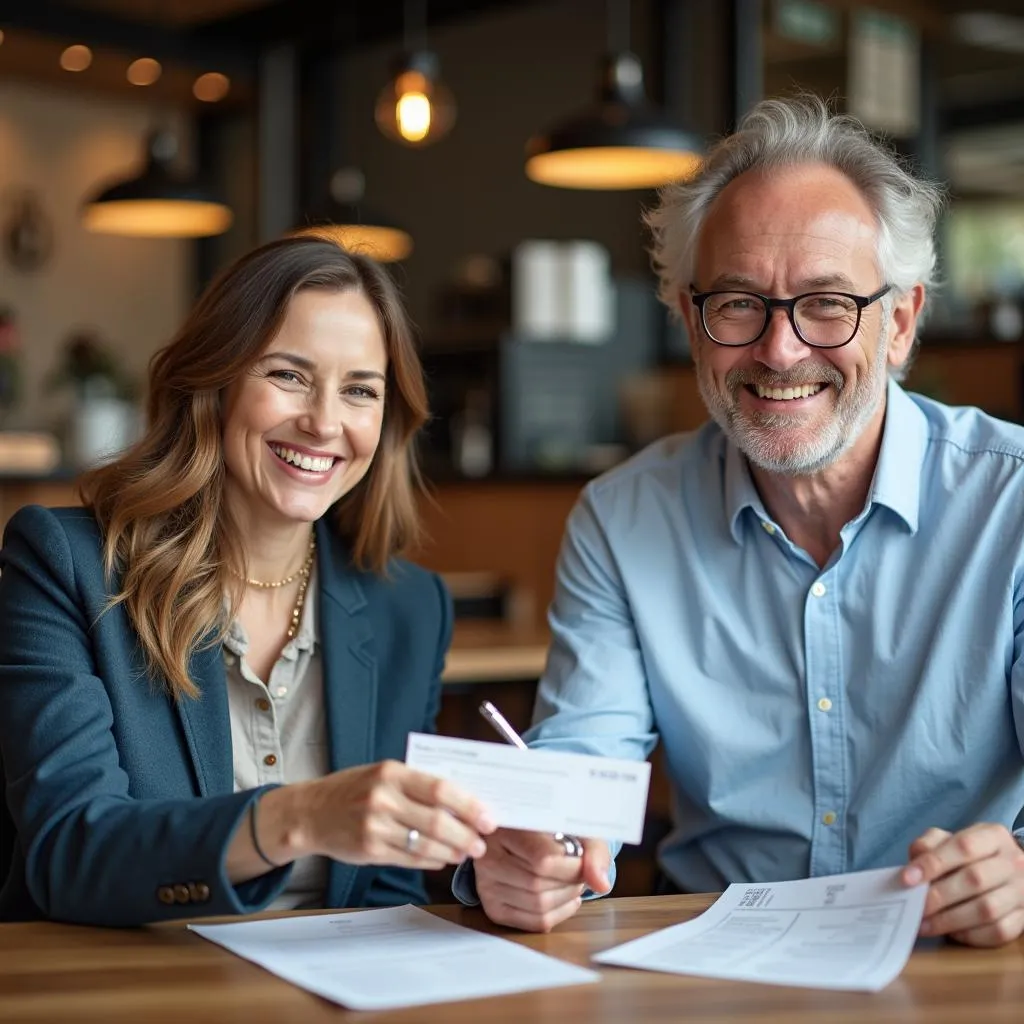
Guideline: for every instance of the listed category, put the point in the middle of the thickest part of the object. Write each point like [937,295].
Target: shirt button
[828,818]
[263,704]
[769,528]
[270,760]
[281,691]
[824,704]
[819,589]
[229,659]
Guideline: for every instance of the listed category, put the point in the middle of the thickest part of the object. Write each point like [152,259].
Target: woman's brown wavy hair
[168,538]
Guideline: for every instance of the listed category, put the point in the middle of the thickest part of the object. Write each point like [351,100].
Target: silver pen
[570,844]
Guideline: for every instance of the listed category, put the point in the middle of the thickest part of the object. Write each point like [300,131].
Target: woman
[206,672]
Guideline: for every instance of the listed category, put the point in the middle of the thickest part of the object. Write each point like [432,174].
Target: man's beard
[760,436]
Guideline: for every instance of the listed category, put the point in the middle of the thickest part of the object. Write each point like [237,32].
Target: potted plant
[105,416]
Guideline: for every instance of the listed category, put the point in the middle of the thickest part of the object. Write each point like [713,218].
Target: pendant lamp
[415,107]
[621,142]
[159,202]
[348,222]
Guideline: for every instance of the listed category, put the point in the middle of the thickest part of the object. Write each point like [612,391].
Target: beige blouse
[279,730]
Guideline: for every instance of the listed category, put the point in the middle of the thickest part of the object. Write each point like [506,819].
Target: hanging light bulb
[619,143]
[347,222]
[76,58]
[211,87]
[415,107]
[157,203]
[144,71]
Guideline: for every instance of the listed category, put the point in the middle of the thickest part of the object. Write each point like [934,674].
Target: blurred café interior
[448,137]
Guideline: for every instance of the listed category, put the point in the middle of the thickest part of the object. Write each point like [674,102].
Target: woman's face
[301,426]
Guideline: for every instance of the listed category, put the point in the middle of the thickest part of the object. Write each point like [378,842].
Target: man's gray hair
[781,133]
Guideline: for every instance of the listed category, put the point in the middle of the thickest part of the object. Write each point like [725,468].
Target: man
[817,599]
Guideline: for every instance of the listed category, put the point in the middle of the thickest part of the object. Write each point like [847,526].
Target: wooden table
[485,652]
[52,972]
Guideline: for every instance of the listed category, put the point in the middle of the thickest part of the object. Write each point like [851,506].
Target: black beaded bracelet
[252,832]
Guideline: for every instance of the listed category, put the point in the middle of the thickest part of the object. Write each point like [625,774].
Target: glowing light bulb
[211,87]
[144,71]
[76,58]
[413,114]
[415,107]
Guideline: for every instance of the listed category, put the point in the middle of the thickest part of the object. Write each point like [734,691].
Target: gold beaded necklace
[302,575]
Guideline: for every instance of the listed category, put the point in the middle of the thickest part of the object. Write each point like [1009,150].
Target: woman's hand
[384,813]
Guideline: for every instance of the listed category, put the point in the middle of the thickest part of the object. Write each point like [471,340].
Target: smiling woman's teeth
[785,394]
[313,463]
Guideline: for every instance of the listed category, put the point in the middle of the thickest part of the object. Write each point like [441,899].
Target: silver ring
[411,840]
[571,846]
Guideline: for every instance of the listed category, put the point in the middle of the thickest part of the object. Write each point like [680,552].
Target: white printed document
[398,956]
[541,790]
[852,931]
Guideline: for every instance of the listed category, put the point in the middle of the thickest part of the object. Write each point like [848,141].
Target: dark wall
[512,73]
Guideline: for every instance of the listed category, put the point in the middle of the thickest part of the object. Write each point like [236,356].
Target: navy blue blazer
[118,795]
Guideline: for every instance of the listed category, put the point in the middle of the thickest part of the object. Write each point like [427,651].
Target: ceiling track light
[621,142]
[415,107]
[159,202]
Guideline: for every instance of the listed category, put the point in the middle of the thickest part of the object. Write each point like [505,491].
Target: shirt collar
[740,492]
[897,479]
[897,482]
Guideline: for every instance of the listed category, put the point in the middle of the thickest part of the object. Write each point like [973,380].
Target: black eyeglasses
[820,319]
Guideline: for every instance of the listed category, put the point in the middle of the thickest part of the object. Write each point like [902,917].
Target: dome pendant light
[353,226]
[159,202]
[415,107]
[619,143]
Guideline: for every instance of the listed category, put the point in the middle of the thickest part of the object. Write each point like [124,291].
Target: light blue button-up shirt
[814,720]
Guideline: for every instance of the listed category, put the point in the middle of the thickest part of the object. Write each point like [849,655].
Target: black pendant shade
[622,142]
[159,202]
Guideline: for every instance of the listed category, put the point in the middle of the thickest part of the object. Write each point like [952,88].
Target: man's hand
[525,879]
[976,877]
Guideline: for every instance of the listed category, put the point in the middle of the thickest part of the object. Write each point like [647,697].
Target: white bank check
[541,790]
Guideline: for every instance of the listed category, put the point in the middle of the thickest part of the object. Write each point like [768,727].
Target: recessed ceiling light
[211,87]
[144,71]
[76,58]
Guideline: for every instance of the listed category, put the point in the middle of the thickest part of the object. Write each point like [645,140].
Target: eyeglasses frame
[789,305]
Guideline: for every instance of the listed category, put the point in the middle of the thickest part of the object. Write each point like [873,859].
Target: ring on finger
[412,840]
[571,846]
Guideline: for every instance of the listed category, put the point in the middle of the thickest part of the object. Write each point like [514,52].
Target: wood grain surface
[51,972]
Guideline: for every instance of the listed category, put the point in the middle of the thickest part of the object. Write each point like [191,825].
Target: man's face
[801,229]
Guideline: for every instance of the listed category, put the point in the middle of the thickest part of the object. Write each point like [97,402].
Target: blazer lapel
[207,724]
[350,675]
